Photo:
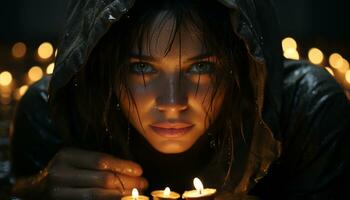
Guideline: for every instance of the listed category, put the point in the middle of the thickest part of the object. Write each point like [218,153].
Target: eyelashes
[198,68]
[142,68]
[202,68]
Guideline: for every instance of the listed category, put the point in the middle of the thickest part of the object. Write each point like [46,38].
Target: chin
[172,147]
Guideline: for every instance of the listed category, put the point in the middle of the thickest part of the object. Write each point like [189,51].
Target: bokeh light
[19,50]
[5,78]
[35,73]
[289,43]
[45,50]
[20,92]
[23,89]
[330,70]
[345,66]
[336,60]
[291,54]
[50,68]
[315,56]
[347,76]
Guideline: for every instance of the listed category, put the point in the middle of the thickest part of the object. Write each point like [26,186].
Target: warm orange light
[330,70]
[19,50]
[45,50]
[347,76]
[291,54]
[166,192]
[344,67]
[315,56]
[5,78]
[135,193]
[50,67]
[35,73]
[198,185]
[336,60]
[20,92]
[289,43]
[23,89]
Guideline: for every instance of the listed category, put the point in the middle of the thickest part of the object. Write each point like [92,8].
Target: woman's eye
[202,68]
[142,68]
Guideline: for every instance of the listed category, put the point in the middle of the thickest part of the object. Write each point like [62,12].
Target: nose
[171,107]
[172,97]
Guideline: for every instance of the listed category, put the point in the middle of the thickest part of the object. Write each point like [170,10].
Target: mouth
[171,129]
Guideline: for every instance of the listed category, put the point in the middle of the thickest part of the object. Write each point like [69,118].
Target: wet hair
[104,74]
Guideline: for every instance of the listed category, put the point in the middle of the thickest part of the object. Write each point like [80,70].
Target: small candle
[200,193]
[135,196]
[165,194]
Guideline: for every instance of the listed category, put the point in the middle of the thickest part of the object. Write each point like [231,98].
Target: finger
[130,182]
[99,179]
[84,194]
[100,161]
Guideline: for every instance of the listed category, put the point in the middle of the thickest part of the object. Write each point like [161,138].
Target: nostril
[171,107]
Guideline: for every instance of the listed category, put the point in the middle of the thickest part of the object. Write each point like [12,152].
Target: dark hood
[253,21]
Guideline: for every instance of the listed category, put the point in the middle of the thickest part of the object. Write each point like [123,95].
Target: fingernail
[129,170]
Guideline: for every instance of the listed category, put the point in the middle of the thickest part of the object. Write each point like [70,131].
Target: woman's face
[173,92]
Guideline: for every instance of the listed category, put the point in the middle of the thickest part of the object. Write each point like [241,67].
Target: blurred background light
[315,56]
[45,50]
[5,78]
[35,73]
[20,92]
[330,70]
[291,54]
[344,67]
[19,50]
[289,43]
[23,89]
[50,68]
[336,60]
[347,76]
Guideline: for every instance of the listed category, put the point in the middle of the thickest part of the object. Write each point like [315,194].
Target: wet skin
[171,117]
[172,91]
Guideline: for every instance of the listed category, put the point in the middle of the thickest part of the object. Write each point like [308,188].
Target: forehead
[164,37]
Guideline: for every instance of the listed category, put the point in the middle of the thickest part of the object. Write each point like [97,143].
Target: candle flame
[135,193]
[198,185]
[166,192]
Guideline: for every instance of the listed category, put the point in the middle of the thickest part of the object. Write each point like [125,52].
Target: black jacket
[300,149]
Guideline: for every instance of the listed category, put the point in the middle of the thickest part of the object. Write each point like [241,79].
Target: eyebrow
[151,58]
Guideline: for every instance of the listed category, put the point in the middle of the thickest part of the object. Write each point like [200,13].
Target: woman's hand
[79,174]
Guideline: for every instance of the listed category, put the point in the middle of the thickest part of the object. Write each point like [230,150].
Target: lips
[171,129]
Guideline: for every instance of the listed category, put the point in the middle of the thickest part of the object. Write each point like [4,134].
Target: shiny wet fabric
[298,150]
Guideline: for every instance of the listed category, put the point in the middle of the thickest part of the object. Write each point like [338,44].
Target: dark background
[313,23]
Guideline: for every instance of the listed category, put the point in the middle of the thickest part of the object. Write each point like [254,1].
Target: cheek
[136,102]
[207,100]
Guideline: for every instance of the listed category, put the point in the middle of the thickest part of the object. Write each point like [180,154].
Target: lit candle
[135,196]
[164,194]
[200,193]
